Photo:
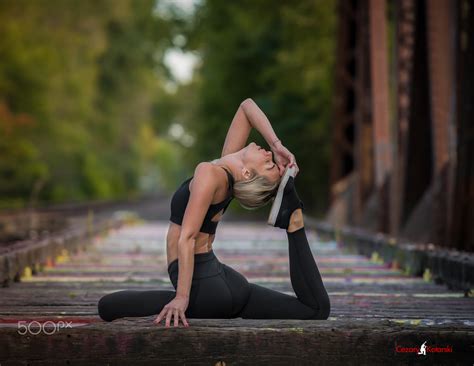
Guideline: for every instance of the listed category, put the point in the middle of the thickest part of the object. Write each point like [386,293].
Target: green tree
[281,55]
[79,81]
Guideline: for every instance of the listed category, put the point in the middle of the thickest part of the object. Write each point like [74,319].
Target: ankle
[296,220]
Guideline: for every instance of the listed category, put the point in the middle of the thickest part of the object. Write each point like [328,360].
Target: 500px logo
[34,327]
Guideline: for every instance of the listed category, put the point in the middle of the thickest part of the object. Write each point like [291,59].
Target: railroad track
[32,239]
[39,222]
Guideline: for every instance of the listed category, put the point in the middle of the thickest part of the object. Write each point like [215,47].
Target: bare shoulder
[207,175]
[206,169]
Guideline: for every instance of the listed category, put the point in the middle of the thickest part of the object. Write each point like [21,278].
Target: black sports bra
[180,199]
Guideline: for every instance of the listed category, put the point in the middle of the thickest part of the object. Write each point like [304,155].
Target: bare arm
[203,188]
[248,115]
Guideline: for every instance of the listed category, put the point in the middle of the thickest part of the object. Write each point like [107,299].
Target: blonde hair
[254,192]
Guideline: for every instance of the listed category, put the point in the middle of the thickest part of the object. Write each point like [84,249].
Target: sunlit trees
[280,53]
[79,81]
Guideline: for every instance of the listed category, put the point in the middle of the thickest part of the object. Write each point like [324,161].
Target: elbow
[186,241]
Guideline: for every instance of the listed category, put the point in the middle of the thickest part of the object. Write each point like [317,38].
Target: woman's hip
[238,286]
[217,290]
[206,265]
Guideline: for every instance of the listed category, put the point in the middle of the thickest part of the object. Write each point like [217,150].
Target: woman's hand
[176,308]
[283,157]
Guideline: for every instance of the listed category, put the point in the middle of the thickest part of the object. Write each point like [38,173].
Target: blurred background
[120,99]
[111,99]
[106,106]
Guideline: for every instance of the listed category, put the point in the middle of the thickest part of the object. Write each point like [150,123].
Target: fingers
[176,317]
[284,158]
[183,318]
[291,158]
[160,316]
[281,167]
[293,163]
[297,169]
[169,313]
[168,318]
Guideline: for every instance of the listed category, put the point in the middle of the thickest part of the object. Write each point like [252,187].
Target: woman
[205,287]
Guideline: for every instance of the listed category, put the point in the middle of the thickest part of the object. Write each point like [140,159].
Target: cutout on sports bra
[217,217]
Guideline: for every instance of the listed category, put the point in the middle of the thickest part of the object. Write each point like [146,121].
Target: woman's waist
[205,265]
[202,241]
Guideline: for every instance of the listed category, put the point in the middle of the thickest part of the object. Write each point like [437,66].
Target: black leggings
[218,291]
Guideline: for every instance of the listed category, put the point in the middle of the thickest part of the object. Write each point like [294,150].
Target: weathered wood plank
[239,341]
[454,268]
[35,255]
[374,308]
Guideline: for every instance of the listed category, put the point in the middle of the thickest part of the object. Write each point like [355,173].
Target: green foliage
[20,154]
[281,55]
[84,112]
[79,81]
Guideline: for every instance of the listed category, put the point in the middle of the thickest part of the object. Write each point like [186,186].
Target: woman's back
[220,202]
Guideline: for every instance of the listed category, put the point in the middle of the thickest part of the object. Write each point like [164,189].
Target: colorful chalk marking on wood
[134,257]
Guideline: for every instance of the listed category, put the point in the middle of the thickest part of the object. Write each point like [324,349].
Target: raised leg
[311,301]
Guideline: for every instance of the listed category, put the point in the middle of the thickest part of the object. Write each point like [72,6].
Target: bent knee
[324,308]
[105,309]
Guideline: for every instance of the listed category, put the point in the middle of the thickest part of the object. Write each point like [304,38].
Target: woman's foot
[286,201]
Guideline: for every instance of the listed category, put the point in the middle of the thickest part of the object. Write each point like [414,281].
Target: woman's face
[257,158]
